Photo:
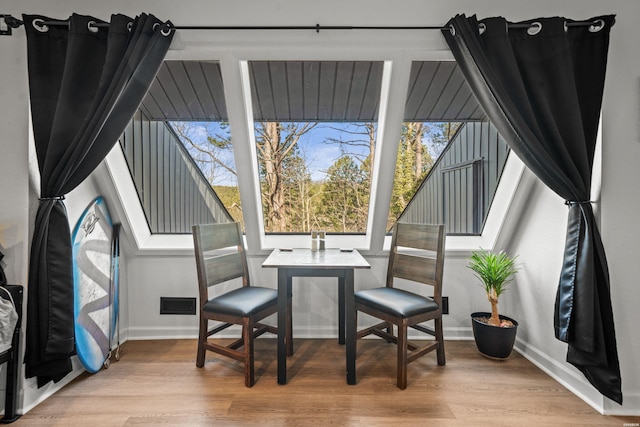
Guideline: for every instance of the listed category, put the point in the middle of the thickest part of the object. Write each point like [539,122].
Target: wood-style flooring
[156,383]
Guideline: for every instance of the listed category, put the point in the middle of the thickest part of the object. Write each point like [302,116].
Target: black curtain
[541,84]
[86,80]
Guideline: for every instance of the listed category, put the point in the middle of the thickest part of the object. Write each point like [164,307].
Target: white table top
[305,258]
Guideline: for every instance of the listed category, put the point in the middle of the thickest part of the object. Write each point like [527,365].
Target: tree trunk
[273,171]
[417,135]
[372,148]
[495,317]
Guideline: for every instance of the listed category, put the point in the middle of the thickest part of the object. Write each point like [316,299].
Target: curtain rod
[13,22]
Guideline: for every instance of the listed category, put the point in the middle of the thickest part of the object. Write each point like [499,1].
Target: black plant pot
[493,341]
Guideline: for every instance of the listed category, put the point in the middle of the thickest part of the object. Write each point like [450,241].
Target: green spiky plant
[495,271]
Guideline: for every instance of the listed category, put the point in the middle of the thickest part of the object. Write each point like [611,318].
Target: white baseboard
[39,395]
[458,334]
[160,333]
[576,383]
[630,408]
[308,332]
[562,373]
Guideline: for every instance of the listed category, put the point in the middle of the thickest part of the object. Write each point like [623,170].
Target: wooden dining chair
[221,257]
[416,255]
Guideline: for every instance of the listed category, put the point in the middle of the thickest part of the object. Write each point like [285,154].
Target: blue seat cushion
[243,301]
[397,302]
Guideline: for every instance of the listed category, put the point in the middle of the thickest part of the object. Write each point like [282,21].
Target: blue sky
[313,146]
[320,155]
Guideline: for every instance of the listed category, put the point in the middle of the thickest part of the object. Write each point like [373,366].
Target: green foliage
[495,270]
[413,163]
[221,140]
[230,198]
[345,197]
[420,146]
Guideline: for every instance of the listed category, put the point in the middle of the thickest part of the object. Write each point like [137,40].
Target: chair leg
[440,339]
[247,338]
[202,339]
[389,329]
[402,355]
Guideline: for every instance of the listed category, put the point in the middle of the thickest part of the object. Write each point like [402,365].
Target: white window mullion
[238,98]
[390,115]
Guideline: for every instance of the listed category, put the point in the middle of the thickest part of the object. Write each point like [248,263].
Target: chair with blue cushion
[220,258]
[416,255]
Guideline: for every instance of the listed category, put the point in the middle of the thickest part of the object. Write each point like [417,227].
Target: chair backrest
[220,255]
[417,254]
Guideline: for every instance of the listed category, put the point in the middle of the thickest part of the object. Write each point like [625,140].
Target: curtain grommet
[129,26]
[452,30]
[481,28]
[39,25]
[534,28]
[596,26]
[92,27]
[166,30]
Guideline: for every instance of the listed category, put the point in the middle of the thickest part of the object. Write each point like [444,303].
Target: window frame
[274,240]
[233,50]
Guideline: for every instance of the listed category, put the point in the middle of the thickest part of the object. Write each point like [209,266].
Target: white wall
[14,181]
[537,234]
[620,203]
[314,299]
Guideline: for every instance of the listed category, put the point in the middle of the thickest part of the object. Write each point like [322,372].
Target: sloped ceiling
[309,91]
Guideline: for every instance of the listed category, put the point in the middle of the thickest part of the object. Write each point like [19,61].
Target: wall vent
[445,305]
[172,305]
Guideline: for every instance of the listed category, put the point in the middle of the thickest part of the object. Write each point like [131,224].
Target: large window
[178,149]
[315,132]
[309,147]
[315,175]
[170,185]
[450,158]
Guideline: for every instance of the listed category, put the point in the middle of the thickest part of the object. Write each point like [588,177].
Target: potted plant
[494,334]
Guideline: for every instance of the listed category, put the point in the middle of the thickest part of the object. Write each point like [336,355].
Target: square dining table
[337,263]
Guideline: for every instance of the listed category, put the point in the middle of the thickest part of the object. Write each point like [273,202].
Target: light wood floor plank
[157,383]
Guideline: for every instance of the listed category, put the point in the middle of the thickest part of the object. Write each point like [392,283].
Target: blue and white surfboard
[95,282]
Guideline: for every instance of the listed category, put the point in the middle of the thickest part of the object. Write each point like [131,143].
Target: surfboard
[95,285]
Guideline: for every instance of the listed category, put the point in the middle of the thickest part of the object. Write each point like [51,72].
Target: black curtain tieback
[51,198]
[571,203]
